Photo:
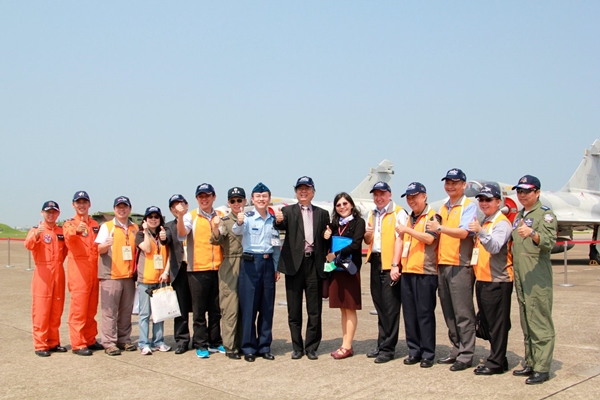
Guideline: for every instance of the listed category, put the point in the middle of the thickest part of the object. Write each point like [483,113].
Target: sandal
[112,351]
[127,347]
[343,353]
[335,351]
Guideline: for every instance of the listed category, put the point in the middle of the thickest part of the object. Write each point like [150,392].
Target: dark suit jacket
[292,251]
[175,249]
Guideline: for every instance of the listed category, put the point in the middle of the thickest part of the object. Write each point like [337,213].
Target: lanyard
[125,231]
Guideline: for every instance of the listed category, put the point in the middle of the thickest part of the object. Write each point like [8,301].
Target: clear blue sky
[148,98]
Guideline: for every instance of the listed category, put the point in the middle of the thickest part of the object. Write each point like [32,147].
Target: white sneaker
[162,348]
[146,351]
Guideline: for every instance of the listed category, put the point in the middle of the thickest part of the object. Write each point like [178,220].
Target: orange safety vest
[493,267]
[147,273]
[111,264]
[421,258]
[202,255]
[388,237]
[454,251]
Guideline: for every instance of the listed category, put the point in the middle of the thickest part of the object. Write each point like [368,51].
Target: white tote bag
[164,305]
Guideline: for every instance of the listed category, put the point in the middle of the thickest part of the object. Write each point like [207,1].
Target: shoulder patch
[548,218]
[225,218]
[545,208]
[249,213]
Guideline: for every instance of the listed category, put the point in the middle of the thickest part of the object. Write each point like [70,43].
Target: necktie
[308,225]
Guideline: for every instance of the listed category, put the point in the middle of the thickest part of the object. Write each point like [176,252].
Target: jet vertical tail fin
[587,175]
[383,172]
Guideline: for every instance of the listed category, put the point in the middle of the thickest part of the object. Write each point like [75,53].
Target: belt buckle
[308,254]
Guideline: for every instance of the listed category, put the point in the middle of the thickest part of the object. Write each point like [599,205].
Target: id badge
[127,255]
[377,238]
[475,256]
[405,249]
[275,241]
[158,261]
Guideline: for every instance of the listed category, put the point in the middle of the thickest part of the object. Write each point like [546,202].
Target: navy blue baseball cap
[489,191]
[152,210]
[82,194]
[261,188]
[122,200]
[455,174]
[528,182]
[50,205]
[205,188]
[414,188]
[304,180]
[381,185]
[236,192]
[176,197]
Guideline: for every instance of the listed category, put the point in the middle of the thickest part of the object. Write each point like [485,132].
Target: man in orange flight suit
[47,243]
[82,266]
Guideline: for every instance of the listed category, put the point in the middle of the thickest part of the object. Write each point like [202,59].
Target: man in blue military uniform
[258,274]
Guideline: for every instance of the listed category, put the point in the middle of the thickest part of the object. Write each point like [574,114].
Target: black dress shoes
[96,347]
[311,355]
[446,360]
[181,349]
[267,356]
[373,354]
[249,357]
[58,349]
[383,358]
[426,363]
[537,378]
[42,353]
[410,360]
[232,355]
[483,370]
[296,355]
[459,366]
[83,352]
[527,371]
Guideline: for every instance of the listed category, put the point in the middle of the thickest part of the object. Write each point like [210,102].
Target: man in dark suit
[179,281]
[302,262]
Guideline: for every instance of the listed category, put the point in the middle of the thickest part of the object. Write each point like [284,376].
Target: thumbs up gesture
[432,225]
[523,230]
[180,209]
[82,227]
[240,218]
[145,225]
[279,215]
[216,220]
[327,233]
[110,239]
[40,229]
[163,234]
[369,229]
[474,225]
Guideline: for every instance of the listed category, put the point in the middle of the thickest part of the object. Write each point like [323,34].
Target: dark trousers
[493,301]
[256,292]
[204,289]
[306,280]
[387,302]
[418,294]
[181,324]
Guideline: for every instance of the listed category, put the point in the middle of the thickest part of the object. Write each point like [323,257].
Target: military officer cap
[262,188]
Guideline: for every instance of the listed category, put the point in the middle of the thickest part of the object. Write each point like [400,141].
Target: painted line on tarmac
[570,386]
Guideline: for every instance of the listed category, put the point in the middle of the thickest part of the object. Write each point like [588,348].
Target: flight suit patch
[516,223]
[60,237]
[529,222]
[95,229]
[47,238]
[548,218]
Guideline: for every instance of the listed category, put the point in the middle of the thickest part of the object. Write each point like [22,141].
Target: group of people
[224,268]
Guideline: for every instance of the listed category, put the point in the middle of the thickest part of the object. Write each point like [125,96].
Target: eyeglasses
[525,191]
[153,216]
[344,204]
[484,199]
[238,200]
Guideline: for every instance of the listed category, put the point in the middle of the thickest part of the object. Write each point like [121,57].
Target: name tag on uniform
[127,255]
[158,261]
[275,241]
[405,249]
[475,256]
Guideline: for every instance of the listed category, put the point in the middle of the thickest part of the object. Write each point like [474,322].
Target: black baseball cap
[304,180]
[82,194]
[528,182]
[152,210]
[50,205]
[489,191]
[122,200]
[236,191]
[176,197]
[205,188]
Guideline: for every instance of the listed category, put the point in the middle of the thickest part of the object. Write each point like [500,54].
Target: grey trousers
[455,290]
[116,298]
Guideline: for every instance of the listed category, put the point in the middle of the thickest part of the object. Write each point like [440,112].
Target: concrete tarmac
[575,369]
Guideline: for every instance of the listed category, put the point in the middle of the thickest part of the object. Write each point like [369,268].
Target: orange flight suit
[82,268]
[48,285]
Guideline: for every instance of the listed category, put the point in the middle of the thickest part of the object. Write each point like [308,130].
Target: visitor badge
[158,261]
[405,249]
[475,256]
[127,255]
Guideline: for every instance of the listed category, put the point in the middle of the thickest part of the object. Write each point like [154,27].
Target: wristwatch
[532,234]
[439,229]
[394,265]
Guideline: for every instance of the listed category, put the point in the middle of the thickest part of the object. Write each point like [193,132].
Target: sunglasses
[153,216]
[485,199]
[524,191]
[344,204]
[233,201]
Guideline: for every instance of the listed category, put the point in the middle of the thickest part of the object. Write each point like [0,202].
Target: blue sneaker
[202,353]
[215,349]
